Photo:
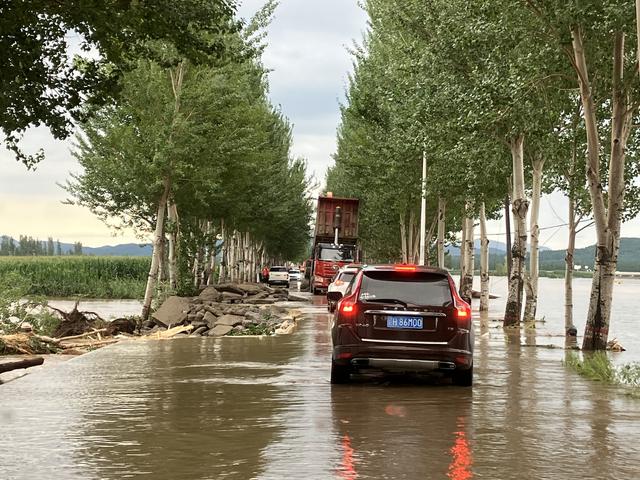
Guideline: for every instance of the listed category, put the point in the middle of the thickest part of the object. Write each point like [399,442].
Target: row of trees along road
[189,147]
[505,98]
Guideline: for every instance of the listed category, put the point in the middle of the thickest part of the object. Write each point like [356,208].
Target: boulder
[121,325]
[26,327]
[251,288]
[253,317]
[210,294]
[219,331]
[172,312]
[236,310]
[261,301]
[229,288]
[214,309]
[210,319]
[198,332]
[249,322]
[238,328]
[230,320]
[260,295]
[192,318]
[230,297]
[147,324]
[298,298]
[200,323]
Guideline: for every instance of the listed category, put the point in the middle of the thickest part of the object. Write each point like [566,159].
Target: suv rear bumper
[406,358]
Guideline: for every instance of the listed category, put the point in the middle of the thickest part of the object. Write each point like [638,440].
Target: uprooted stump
[76,322]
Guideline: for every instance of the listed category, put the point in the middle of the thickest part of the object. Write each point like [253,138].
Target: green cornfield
[92,277]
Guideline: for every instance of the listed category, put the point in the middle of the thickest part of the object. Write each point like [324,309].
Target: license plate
[400,321]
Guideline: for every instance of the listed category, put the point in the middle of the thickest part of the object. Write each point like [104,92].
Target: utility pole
[423,209]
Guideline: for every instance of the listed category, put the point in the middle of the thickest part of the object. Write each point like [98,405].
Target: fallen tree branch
[26,363]
[91,343]
[87,334]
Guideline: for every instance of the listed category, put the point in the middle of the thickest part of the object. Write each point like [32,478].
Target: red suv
[404,319]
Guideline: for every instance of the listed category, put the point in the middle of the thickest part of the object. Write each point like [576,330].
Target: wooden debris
[19,364]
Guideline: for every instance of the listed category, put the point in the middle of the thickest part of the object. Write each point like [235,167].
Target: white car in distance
[279,276]
[295,275]
[341,281]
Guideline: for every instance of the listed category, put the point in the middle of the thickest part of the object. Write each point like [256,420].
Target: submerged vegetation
[598,366]
[94,277]
[15,309]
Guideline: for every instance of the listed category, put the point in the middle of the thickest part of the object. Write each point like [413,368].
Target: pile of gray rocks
[228,309]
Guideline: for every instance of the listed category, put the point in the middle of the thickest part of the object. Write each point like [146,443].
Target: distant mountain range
[628,258]
[498,248]
[120,250]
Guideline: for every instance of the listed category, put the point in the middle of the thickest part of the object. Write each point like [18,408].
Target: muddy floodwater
[234,408]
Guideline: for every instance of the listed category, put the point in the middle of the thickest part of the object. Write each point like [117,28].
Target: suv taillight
[461,309]
[348,307]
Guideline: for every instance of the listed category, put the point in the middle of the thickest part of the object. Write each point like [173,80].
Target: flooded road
[244,408]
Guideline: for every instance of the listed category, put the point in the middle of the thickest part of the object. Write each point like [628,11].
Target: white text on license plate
[414,323]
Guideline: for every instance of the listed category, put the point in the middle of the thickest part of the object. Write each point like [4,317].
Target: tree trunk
[466,282]
[607,219]
[569,265]
[410,237]
[172,213]
[223,253]
[415,255]
[428,238]
[21,364]
[403,239]
[162,266]
[155,257]
[532,278]
[484,261]
[507,221]
[520,206]
[463,251]
[442,205]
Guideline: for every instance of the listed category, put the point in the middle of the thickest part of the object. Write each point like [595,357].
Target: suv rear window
[346,276]
[278,269]
[417,288]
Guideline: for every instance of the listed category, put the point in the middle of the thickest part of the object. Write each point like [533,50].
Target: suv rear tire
[463,378]
[339,374]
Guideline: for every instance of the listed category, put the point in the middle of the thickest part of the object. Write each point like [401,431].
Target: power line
[541,228]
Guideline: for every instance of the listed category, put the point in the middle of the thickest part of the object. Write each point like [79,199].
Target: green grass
[94,277]
[598,366]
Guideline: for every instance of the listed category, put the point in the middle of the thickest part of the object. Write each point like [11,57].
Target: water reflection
[462,458]
[402,431]
[347,469]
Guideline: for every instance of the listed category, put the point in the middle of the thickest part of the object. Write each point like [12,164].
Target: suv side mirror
[334,296]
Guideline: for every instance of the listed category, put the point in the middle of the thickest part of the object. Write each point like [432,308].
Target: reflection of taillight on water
[347,468]
[461,461]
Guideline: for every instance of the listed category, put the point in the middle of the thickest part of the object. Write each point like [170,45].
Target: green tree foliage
[42,85]
[205,139]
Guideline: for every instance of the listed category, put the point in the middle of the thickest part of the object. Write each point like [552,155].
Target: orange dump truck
[335,241]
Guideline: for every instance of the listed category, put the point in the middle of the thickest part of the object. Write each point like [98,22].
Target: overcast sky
[308,53]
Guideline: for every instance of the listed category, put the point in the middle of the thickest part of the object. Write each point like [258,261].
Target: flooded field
[244,408]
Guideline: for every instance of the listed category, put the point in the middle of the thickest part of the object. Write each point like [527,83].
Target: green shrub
[598,366]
